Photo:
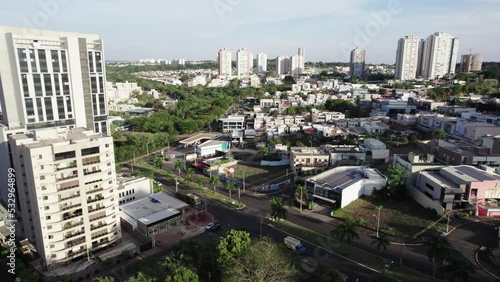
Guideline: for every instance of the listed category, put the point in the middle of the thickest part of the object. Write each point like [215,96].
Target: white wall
[351,193]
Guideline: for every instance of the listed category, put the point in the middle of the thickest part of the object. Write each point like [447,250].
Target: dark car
[215,227]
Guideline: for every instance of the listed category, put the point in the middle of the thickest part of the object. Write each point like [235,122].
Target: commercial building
[232,123]
[342,155]
[225,64]
[261,63]
[244,62]
[131,189]
[341,186]
[211,148]
[463,187]
[463,154]
[471,62]
[154,214]
[309,160]
[414,163]
[357,63]
[440,55]
[49,79]
[377,148]
[407,58]
[66,189]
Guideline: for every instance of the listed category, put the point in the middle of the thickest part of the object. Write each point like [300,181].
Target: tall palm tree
[214,180]
[381,241]
[345,232]
[300,192]
[460,268]
[158,162]
[437,252]
[200,180]
[179,164]
[278,210]
[189,173]
[230,187]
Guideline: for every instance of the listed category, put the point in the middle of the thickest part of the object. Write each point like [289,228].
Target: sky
[327,29]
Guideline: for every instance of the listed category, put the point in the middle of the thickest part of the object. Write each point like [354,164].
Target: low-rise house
[377,148]
[309,160]
[341,155]
[414,163]
[466,154]
[463,187]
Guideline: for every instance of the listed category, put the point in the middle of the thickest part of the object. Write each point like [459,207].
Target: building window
[26,89]
[39,109]
[49,113]
[42,60]
[37,82]
[47,81]
[430,187]
[42,177]
[91,62]
[23,60]
[63,61]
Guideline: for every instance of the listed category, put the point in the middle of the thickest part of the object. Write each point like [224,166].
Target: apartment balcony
[71,253]
[76,195]
[102,216]
[70,225]
[97,198]
[97,244]
[91,160]
[73,234]
[76,242]
[67,177]
[70,216]
[99,236]
[92,172]
[67,186]
[94,190]
[64,166]
[65,208]
[91,210]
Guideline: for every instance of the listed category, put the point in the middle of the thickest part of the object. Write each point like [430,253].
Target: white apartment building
[407,58]
[440,55]
[302,59]
[232,123]
[261,63]
[49,79]
[66,184]
[224,59]
[471,62]
[357,62]
[282,65]
[295,65]
[244,62]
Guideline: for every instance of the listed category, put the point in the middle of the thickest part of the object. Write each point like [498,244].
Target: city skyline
[234,24]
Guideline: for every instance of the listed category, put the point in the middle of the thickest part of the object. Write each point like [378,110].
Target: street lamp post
[176,185]
[378,208]
[448,223]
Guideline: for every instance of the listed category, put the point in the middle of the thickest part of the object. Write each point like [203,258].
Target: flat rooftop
[340,178]
[439,179]
[153,208]
[470,174]
[197,138]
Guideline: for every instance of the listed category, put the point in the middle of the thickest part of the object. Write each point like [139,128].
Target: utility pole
[448,224]
[244,181]
[176,185]
[239,196]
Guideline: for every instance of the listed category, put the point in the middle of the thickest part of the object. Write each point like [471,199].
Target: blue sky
[197,29]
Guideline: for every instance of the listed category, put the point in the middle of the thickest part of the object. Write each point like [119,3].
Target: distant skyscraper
[261,63]
[224,59]
[244,62]
[295,65]
[471,62]
[302,59]
[421,53]
[357,62]
[407,58]
[282,65]
[440,55]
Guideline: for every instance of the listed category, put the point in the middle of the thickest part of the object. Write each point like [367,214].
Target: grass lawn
[201,191]
[398,272]
[258,175]
[403,218]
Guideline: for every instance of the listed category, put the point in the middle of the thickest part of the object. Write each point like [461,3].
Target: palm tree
[437,252]
[158,162]
[179,164]
[189,173]
[460,268]
[345,232]
[278,210]
[230,187]
[200,180]
[381,242]
[300,192]
[214,180]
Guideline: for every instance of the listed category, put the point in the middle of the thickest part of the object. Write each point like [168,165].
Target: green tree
[263,152]
[214,181]
[437,252]
[438,134]
[189,173]
[176,272]
[381,242]
[230,186]
[300,192]
[278,210]
[232,245]
[105,279]
[140,277]
[461,268]
[158,163]
[345,232]
[395,186]
[179,164]
[200,180]
[261,262]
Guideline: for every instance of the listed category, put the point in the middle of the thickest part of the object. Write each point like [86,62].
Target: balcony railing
[72,216]
[96,218]
[70,197]
[75,242]
[100,235]
[96,209]
[64,208]
[71,165]
[95,190]
[70,225]
[73,234]
[74,253]
[67,188]
[100,243]
[94,227]
[66,177]
[91,172]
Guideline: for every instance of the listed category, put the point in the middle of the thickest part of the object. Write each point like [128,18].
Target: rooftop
[470,174]
[340,178]
[154,208]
